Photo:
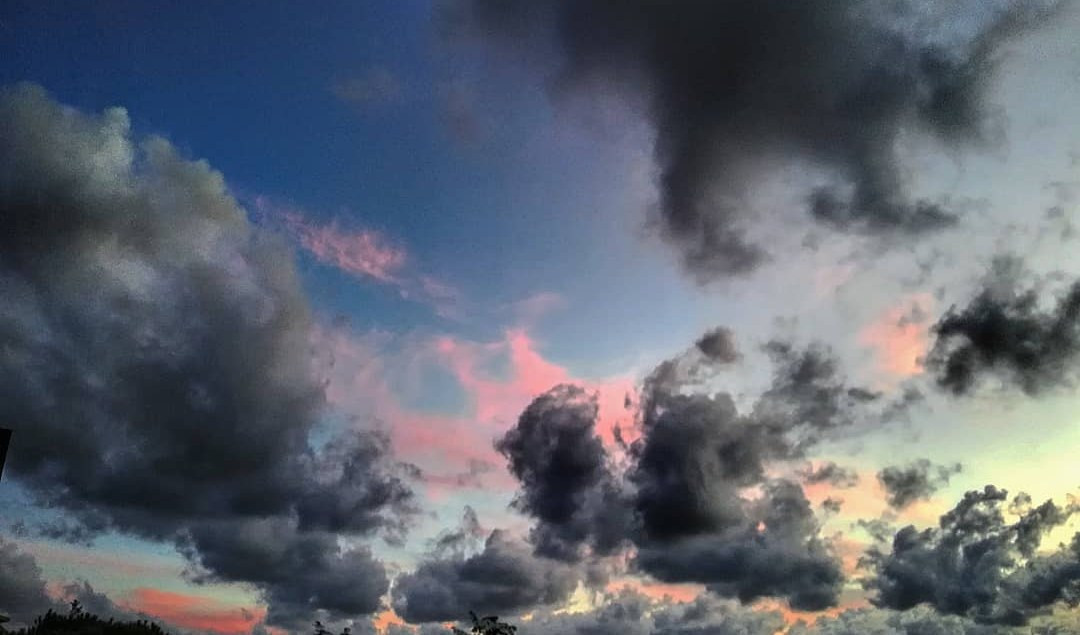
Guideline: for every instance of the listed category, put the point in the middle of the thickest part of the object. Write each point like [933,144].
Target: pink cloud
[362,253]
[498,378]
[193,611]
[899,336]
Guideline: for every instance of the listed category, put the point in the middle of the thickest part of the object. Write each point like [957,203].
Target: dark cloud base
[734,88]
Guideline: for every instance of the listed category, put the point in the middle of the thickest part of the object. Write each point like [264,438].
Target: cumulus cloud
[733,89]
[300,572]
[1009,333]
[680,495]
[157,353]
[977,565]
[506,576]
[627,612]
[22,589]
[566,481]
[916,481]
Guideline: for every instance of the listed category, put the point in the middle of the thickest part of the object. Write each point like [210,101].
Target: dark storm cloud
[1010,334]
[698,453]
[680,497]
[977,565]
[22,589]
[566,482]
[157,359]
[916,481]
[718,345]
[831,473]
[773,551]
[505,577]
[299,572]
[735,89]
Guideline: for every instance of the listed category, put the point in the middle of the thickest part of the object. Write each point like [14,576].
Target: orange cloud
[193,611]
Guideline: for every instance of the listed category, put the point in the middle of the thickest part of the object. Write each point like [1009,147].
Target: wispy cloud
[362,253]
[365,254]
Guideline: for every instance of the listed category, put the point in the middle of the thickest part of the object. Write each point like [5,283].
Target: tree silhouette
[489,625]
[79,622]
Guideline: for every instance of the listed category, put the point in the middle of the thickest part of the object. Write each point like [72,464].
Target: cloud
[916,481]
[693,495]
[192,612]
[505,577]
[977,565]
[899,337]
[299,572]
[362,253]
[831,473]
[918,621]
[22,589]
[627,612]
[733,89]
[1008,333]
[157,356]
[566,483]
[718,345]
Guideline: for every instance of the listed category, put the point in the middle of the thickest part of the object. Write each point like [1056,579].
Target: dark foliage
[79,621]
[489,625]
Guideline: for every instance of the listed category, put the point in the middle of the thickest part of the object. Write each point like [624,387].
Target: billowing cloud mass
[905,484]
[504,577]
[977,565]
[157,362]
[734,89]
[22,588]
[627,612]
[566,480]
[1011,334]
[681,495]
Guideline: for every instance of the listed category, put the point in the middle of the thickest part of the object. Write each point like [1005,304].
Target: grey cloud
[831,473]
[977,565]
[157,360]
[775,551]
[22,589]
[1006,332]
[566,481]
[718,345]
[298,572]
[918,621]
[733,89]
[630,613]
[916,481]
[832,505]
[680,500]
[505,577]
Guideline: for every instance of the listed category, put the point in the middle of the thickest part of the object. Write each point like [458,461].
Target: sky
[752,316]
